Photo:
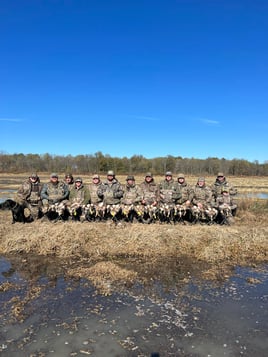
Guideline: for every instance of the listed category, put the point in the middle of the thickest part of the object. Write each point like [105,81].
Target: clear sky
[135,77]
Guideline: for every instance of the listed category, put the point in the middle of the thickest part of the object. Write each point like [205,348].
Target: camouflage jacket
[169,191]
[79,195]
[149,192]
[218,186]
[93,189]
[132,195]
[186,193]
[54,192]
[225,200]
[111,192]
[70,186]
[29,192]
[202,195]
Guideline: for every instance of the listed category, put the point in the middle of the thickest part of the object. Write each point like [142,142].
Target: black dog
[16,209]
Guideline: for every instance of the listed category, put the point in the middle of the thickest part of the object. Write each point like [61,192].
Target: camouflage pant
[34,209]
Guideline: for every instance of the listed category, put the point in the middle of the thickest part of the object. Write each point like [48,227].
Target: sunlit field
[244,242]
[128,264]
[243,184]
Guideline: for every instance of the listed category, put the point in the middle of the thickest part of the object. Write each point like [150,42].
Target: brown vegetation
[246,240]
[109,254]
[244,184]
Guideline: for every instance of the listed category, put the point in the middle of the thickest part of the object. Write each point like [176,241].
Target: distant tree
[137,164]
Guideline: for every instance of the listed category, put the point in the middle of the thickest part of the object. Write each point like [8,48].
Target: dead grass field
[243,184]
[246,240]
[104,245]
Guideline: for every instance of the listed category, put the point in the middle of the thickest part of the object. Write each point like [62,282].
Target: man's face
[201,183]
[220,178]
[110,177]
[54,179]
[168,177]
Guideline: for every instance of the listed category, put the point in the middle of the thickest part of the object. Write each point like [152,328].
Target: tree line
[137,164]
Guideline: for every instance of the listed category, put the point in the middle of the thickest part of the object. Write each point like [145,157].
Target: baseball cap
[69,175]
[130,177]
[54,175]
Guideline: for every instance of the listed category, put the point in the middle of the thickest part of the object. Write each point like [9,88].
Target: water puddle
[45,312]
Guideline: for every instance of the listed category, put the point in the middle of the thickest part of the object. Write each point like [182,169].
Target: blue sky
[146,77]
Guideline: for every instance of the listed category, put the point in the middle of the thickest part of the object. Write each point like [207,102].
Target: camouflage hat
[54,175]
[110,173]
[34,175]
[78,179]
[220,174]
[168,173]
[96,176]
[148,174]
[201,179]
[69,175]
[181,176]
[130,177]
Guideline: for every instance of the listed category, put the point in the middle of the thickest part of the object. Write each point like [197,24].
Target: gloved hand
[117,194]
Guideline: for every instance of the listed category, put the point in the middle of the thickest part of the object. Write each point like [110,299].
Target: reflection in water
[170,310]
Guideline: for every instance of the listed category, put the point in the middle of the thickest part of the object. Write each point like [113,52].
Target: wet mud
[170,308]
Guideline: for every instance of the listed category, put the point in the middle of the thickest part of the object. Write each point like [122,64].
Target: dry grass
[116,255]
[237,243]
[244,184]
[113,257]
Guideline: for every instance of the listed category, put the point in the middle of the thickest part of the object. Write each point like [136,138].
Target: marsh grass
[113,256]
[246,239]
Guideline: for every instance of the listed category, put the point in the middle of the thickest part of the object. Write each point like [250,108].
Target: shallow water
[178,316]
[5,194]
[261,195]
